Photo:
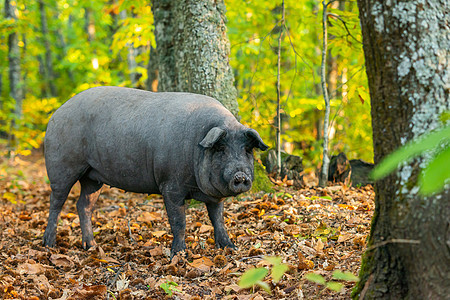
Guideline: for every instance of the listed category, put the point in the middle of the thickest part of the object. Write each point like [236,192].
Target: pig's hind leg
[90,191]
[62,178]
[57,199]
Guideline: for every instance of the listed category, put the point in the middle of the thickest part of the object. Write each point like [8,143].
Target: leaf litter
[311,230]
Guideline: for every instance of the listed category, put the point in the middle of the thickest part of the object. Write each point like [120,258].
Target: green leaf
[265,286]
[278,271]
[409,151]
[434,176]
[274,260]
[334,286]
[315,278]
[252,276]
[347,276]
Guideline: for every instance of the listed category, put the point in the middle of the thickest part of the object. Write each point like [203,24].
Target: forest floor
[311,230]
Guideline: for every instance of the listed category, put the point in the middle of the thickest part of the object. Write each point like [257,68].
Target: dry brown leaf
[319,245]
[232,287]
[148,217]
[159,233]
[61,260]
[88,292]
[343,237]
[204,264]
[30,269]
[205,228]
[41,282]
[156,251]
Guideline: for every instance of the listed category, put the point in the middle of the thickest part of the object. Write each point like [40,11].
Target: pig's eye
[219,147]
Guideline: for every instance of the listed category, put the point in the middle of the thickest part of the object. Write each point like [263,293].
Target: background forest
[66,47]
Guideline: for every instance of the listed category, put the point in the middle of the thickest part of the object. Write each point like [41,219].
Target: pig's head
[226,161]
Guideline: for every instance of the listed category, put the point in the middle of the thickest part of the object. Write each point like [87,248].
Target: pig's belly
[126,180]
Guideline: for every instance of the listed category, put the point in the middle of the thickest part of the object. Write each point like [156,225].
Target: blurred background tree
[68,46]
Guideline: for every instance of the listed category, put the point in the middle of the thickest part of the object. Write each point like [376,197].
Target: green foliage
[434,176]
[332,285]
[29,130]
[347,276]
[169,287]
[252,277]
[255,276]
[317,278]
[253,32]
[81,61]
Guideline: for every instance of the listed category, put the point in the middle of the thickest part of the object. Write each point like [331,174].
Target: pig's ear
[255,140]
[212,137]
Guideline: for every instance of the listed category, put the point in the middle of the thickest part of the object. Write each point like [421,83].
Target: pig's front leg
[175,208]
[215,212]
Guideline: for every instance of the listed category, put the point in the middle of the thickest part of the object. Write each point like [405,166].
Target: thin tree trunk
[49,74]
[152,71]
[193,49]
[323,179]
[89,28]
[63,46]
[132,52]
[279,92]
[406,46]
[332,65]
[15,84]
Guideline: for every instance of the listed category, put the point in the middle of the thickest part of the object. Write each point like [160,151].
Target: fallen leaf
[319,245]
[30,269]
[148,217]
[203,264]
[61,260]
[205,228]
[156,251]
[345,237]
[88,292]
[159,233]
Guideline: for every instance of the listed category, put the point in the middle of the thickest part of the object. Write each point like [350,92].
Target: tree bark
[193,49]
[15,88]
[406,46]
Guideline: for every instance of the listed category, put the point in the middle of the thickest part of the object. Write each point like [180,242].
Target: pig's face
[226,162]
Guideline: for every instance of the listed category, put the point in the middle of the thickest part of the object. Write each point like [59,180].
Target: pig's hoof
[179,254]
[49,241]
[177,248]
[227,244]
[88,244]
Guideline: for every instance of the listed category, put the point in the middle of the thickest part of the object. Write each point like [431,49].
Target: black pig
[179,145]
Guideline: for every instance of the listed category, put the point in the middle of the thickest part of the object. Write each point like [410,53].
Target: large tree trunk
[193,49]
[406,45]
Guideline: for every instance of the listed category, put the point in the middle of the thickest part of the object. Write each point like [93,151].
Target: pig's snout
[240,183]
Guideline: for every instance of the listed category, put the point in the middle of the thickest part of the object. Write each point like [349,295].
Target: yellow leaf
[10,197]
